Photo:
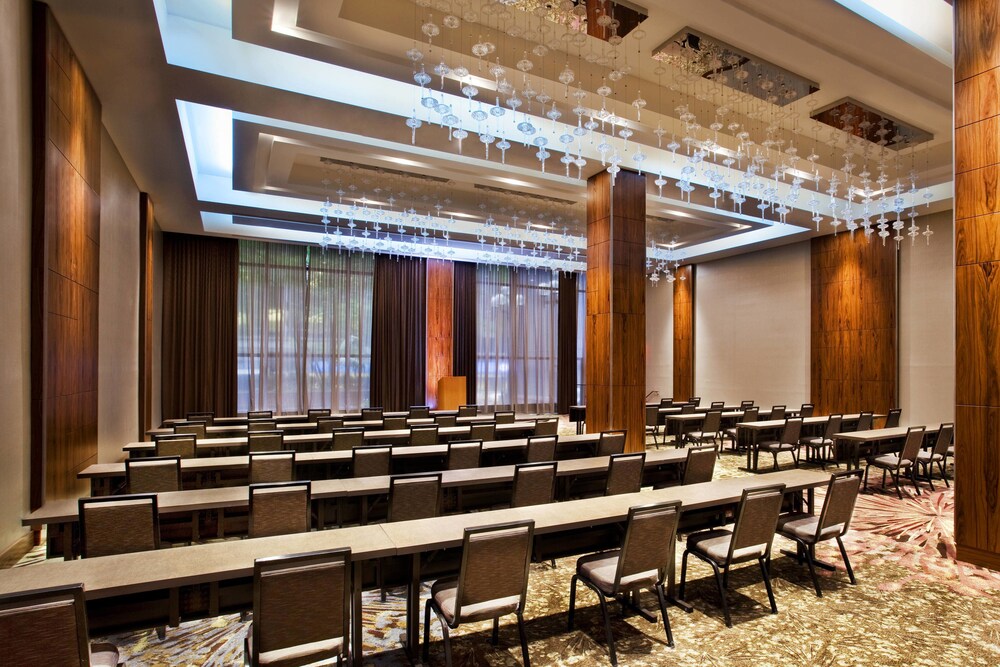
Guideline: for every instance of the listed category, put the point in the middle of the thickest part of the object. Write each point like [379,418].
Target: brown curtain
[566,354]
[200,277]
[463,327]
[399,332]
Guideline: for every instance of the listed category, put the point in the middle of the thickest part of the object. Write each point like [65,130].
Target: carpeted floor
[913,605]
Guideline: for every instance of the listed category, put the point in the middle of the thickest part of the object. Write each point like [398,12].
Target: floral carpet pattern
[914,604]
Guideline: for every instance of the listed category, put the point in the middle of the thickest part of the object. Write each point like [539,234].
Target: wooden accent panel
[853,351]
[977,282]
[616,305]
[65,259]
[684,334]
[146,225]
[440,285]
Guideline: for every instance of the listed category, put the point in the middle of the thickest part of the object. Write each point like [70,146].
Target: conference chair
[503,416]
[625,473]
[642,562]
[541,448]
[807,530]
[154,474]
[901,463]
[328,424]
[485,431]
[424,435]
[822,448]
[548,426]
[777,412]
[416,496]
[709,429]
[750,414]
[271,467]
[265,441]
[207,417]
[695,401]
[492,582]
[788,441]
[394,423]
[700,465]
[463,454]
[197,429]
[468,410]
[717,405]
[534,484]
[806,410]
[371,461]
[419,412]
[279,508]
[260,414]
[611,442]
[653,422]
[892,419]
[177,445]
[255,425]
[666,402]
[371,414]
[937,454]
[112,525]
[48,626]
[313,414]
[446,421]
[749,539]
[301,609]
[746,404]
[865,421]
[688,409]
[346,439]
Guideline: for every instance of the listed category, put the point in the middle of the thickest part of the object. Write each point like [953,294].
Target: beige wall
[751,324]
[118,335]
[15,261]
[660,338]
[927,325]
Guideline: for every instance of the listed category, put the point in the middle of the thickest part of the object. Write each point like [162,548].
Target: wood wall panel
[853,323]
[684,333]
[147,223]
[66,145]
[440,288]
[616,305]
[977,282]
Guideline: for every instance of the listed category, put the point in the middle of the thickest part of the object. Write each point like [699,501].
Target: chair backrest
[892,419]
[611,442]
[154,474]
[750,414]
[806,410]
[792,430]
[541,448]
[756,520]
[625,473]
[414,496]
[534,484]
[419,412]
[911,446]
[255,425]
[468,410]
[446,421]
[687,409]
[112,525]
[424,435]
[945,434]
[503,416]
[302,600]
[695,401]
[260,414]
[197,429]
[700,465]
[182,446]
[495,562]
[666,402]
[328,424]
[652,415]
[864,421]
[549,426]
[265,441]
[486,431]
[838,506]
[371,414]
[279,508]
[393,423]
[464,454]
[833,426]
[746,404]
[649,534]
[207,417]
[371,461]
[717,405]
[346,439]
[275,466]
[777,412]
[45,627]
[313,414]
[712,421]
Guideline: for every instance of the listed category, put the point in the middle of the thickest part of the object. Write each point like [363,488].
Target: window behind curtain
[516,328]
[304,328]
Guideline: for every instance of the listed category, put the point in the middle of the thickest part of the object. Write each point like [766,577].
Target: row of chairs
[314,414]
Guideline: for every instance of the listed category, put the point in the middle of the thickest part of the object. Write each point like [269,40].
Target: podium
[451,392]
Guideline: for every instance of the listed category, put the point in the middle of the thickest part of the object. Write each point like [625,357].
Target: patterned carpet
[913,605]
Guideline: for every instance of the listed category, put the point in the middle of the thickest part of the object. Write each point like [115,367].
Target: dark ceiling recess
[862,121]
[382,170]
[628,15]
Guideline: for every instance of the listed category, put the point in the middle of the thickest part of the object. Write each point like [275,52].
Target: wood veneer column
[440,286]
[684,333]
[616,305]
[977,281]
[146,224]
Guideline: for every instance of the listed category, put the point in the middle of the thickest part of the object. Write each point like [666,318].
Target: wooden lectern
[451,392]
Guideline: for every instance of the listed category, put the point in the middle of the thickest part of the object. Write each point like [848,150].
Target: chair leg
[929,474]
[913,476]
[684,569]
[524,639]
[722,594]
[867,467]
[775,455]
[427,631]
[809,552]
[495,637]
[767,584]
[847,561]
[944,475]
[447,644]
[663,610]
[607,630]
[572,601]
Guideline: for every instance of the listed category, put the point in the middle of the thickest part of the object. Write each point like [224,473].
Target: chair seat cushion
[103,655]
[600,569]
[803,526]
[715,545]
[925,457]
[700,435]
[445,595]
[889,461]
[816,442]
[775,446]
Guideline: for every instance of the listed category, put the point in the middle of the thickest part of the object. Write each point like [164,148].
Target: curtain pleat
[199,343]
[464,326]
[399,332]
[567,341]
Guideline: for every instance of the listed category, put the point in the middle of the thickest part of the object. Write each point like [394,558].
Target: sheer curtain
[517,312]
[304,328]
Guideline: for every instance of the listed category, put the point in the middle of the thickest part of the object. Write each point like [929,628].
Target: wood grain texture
[853,325]
[440,285]
[616,305]
[684,333]
[147,222]
[65,264]
[977,282]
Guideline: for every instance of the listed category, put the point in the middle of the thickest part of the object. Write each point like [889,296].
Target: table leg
[672,579]
[756,452]
[412,640]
